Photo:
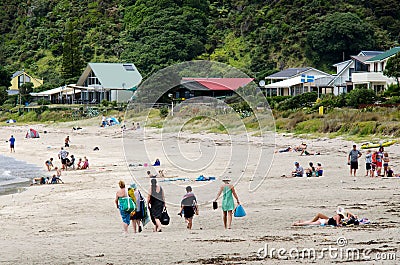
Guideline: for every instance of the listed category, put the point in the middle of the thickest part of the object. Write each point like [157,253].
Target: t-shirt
[300,170]
[368,158]
[189,200]
[63,154]
[12,140]
[354,155]
[379,156]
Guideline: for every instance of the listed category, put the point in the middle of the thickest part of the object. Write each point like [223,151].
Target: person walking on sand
[137,215]
[122,193]
[228,204]
[67,141]
[156,202]
[189,207]
[12,143]
[352,160]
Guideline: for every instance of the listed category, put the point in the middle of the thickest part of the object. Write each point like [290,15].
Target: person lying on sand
[301,147]
[321,219]
[287,149]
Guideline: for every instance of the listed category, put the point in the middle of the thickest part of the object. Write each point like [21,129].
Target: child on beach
[49,164]
[319,170]
[385,163]
[311,171]
[12,143]
[85,163]
[67,141]
[189,207]
[368,162]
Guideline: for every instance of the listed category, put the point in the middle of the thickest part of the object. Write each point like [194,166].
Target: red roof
[221,83]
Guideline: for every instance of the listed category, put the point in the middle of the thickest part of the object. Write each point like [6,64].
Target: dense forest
[54,39]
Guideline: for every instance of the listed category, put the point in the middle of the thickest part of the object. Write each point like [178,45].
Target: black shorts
[64,161]
[368,166]
[354,165]
[11,146]
[188,211]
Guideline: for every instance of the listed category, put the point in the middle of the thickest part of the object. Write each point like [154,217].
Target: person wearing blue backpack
[228,205]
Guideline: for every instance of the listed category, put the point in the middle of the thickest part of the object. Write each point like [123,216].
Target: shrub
[43,101]
[299,101]
[164,111]
[360,96]
[105,102]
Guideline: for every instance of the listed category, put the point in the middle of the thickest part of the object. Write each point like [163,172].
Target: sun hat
[226,179]
[133,185]
[340,210]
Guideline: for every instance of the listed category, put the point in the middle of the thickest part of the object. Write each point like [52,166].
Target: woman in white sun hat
[228,205]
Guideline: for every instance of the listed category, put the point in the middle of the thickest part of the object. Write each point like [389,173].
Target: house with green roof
[109,81]
[373,77]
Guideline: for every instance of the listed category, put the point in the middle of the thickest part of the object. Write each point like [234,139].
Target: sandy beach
[78,223]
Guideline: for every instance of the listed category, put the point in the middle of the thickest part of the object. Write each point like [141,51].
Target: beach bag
[127,204]
[239,211]
[215,205]
[164,219]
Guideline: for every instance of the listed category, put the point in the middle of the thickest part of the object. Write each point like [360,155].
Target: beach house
[21,77]
[295,81]
[108,81]
[343,80]
[211,87]
[373,77]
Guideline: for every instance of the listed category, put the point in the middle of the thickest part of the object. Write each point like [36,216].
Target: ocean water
[16,174]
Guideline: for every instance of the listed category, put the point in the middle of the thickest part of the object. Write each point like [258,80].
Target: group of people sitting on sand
[311,171]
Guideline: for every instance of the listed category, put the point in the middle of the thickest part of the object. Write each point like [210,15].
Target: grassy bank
[355,124]
[368,124]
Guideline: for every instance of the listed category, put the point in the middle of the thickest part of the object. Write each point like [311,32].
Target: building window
[92,80]
[128,67]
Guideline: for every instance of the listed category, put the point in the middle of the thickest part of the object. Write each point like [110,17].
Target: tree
[24,91]
[72,62]
[161,33]
[4,77]
[337,36]
[3,94]
[392,68]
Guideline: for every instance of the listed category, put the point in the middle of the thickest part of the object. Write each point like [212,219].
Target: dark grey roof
[287,73]
[17,73]
[193,85]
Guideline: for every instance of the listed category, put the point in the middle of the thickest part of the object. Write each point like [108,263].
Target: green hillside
[54,40]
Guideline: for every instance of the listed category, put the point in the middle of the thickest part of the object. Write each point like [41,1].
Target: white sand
[78,222]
